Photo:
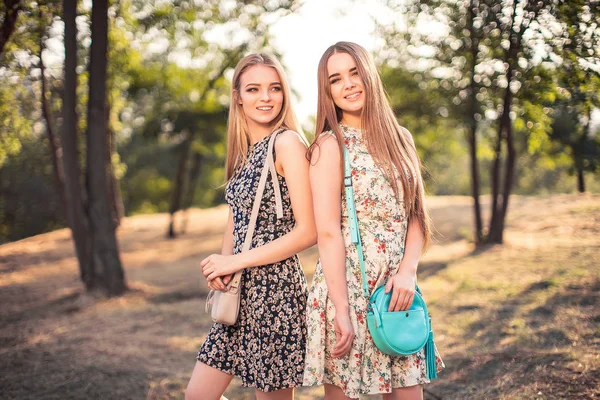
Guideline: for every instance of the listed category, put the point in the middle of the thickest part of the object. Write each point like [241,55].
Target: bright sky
[303,36]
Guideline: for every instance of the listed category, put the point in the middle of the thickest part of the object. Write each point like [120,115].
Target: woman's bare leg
[335,393]
[405,393]
[207,383]
[283,394]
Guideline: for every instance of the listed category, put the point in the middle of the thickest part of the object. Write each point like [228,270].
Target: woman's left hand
[217,265]
[402,286]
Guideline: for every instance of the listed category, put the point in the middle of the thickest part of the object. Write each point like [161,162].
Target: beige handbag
[225,306]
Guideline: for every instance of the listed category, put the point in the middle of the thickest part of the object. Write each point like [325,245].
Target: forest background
[112,147]
[489,67]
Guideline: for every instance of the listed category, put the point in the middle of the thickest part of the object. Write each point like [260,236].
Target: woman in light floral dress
[393,222]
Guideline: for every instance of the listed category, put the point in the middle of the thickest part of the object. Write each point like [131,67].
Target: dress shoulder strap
[271,162]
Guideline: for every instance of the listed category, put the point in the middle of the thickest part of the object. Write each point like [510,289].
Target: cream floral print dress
[383,226]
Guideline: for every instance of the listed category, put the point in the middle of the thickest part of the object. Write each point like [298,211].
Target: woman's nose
[348,84]
[265,95]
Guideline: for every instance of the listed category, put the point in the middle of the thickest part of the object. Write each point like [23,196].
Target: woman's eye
[276,88]
[334,81]
[252,90]
[355,73]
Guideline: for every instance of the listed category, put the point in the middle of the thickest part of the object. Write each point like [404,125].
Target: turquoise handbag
[399,333]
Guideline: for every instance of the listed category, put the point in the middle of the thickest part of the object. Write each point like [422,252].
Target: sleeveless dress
[266,346]
[383,226]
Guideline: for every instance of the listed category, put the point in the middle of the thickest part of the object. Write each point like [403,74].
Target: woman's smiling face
[345,84]
[260,95]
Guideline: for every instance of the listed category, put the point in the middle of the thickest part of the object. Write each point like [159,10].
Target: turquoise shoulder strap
[355,236]
[353,219]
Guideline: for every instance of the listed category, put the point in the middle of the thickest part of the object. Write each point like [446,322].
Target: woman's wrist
[408,267]
[342,307]
[240,261]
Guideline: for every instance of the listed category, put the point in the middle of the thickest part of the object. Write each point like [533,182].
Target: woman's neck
[351,120]
[258,132]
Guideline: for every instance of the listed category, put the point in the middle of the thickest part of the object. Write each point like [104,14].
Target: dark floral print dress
[266,346]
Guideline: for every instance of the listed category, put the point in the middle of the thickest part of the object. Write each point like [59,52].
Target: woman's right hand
[344,334]
[220,283]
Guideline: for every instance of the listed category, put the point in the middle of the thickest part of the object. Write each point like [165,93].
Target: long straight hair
[238,135]
[390,144]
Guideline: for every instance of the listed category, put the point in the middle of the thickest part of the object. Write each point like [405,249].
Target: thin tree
[78,221]
[114,186]
[467,23]
[472,49]
[108,271]
[195,170]
[53,140]
[520,19]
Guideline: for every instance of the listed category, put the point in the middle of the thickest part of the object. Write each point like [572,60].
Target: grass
[518,321]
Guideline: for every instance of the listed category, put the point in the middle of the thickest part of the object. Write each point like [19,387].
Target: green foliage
[420,106]
[29,203]
[166,87]
[13,124]
[429,85]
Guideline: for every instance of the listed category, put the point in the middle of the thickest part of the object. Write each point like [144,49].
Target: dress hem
[323,381]
[245,384]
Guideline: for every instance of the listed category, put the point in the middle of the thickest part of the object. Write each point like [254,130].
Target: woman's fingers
[216,284]
[401,299]
[394,300]
[409,298]
[219,284]
[401,305]
[343,345]
[205,261]
[405,300]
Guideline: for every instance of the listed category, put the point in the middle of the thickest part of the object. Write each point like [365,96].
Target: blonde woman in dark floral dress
[266,346]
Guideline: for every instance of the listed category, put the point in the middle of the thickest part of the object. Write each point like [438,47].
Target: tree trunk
[197,162]
[509,172]
[473,128]
[77,218]
[55,148]
[475,184]
[114,187]
[109,272]
[495,185]
[580,154]
[500,202]
[580,179]
[13,7]
[179,184]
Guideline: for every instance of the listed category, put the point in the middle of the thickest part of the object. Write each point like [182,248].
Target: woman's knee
[405,393]
[282,394]
[190,394]
[333,392]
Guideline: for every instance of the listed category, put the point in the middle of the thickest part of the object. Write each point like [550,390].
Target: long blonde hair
[390,144]
[238,136]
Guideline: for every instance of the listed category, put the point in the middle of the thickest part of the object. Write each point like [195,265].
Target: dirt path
[516,321]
